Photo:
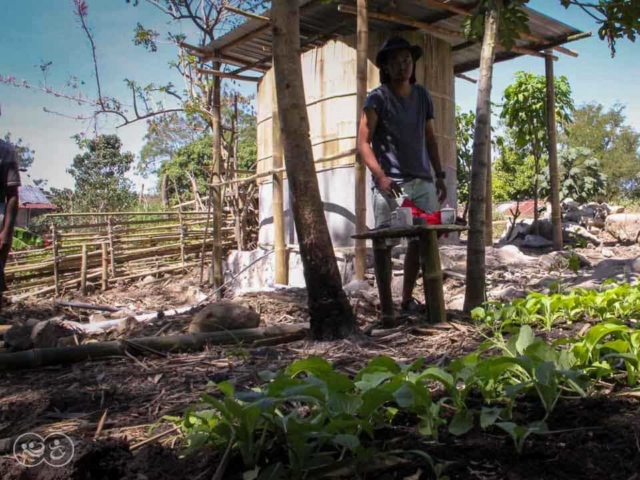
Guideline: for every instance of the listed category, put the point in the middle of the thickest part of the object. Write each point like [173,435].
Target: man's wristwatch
[441,175]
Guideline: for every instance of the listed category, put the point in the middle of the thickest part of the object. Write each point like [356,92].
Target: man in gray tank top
[397,142]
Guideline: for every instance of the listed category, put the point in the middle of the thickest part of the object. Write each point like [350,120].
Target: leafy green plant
[24,239]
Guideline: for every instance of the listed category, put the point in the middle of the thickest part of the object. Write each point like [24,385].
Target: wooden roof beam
[218,73]
[427,27]
[467,13]
[246,14]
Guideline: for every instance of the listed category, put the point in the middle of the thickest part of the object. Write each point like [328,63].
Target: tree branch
[81,12]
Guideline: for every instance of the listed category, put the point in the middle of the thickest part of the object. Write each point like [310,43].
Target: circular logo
[29,449]
[56,450]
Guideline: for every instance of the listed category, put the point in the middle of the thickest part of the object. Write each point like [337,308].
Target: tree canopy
[613,142]
[99,174]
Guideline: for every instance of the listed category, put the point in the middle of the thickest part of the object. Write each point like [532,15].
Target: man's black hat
[397,43]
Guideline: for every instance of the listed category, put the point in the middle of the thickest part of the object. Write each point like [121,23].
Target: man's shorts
[419,191]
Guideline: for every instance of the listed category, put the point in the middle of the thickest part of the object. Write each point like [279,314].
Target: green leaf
[404,396]
[348,441]
[478,313]
[461,423]
[525,338]
[438,374]
[314,365]
[226,388]
[374,399]
[489,415]
[344,403]
[372,380]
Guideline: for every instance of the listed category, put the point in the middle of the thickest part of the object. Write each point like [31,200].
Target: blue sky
[47,30]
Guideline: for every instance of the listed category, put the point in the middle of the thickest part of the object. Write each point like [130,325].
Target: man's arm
[10,216]
[368,123]
[434,156]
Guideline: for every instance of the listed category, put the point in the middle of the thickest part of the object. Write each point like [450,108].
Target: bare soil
[595,438]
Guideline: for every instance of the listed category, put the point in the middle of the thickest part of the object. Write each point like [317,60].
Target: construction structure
[338,46]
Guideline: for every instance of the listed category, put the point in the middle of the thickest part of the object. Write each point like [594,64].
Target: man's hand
[441,189]
[386,185]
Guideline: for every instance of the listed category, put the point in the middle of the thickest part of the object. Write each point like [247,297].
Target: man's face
[400,65]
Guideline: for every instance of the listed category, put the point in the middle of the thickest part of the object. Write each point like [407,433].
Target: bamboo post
[360,169]
[83,271]
[182,235]
[56,271]
[278,193]
[105,267]
[216,197]
[556,216]
[111,249]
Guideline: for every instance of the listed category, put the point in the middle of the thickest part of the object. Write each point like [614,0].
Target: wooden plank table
[427,236]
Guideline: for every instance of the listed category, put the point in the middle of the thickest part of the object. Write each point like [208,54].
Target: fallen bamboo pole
[86,306]
[172,343]
[105,267]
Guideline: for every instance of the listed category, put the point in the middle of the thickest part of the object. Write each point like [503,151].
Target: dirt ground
[110,407]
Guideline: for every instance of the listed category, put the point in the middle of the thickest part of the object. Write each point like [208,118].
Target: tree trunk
[164,190]
[329,308]
[476,282]
[556,216]
[488,213]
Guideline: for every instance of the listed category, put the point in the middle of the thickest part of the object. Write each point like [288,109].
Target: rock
[572,233]
[584,261]
[536,241]
[624,226]
[447,263]
[606,253]
[507,294]
[591,246]
[614,209]
[356,286]
[224,315]
[594,230]
[456,303]
[569,204]
[575,216]
[46,334]
[149,279]
[512,232]
[634,265]
[510,254]
[66,342]
[397,285]
[18,338]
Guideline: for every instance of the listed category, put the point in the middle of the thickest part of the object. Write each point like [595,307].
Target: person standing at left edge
[9,183]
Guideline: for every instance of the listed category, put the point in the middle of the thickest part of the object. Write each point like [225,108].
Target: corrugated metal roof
[30,193]
[320,22]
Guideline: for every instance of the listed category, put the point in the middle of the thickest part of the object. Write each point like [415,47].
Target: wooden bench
[427,236]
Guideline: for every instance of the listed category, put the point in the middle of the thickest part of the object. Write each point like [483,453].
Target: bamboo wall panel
[329,74]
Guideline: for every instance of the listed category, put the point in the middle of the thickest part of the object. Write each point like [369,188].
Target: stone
[594,230]
[591,246]
[536,241]
[397,285]
[614,209]
[507,294]
[606,253]
[569,204]
[356,286]
[149,279]
[18,338]
[572,233]
[513,232]
[456,302]
[584,261]
[224,315]
[634,265]
[46,334]
[510,254]
[624,226]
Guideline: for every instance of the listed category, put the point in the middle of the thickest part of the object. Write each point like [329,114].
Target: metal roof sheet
[320,22]
[29,192]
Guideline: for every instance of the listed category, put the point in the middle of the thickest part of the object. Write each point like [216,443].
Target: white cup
[447,215]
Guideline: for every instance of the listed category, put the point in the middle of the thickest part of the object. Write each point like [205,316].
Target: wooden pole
[105,267]
[83,271]
[360,168]
[216,197]
[219,74]
[556,217]
[281,273]
[111,249]
[488,214]
[182,235]
[56,272]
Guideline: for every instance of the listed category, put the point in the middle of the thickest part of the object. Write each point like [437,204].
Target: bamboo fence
[95,251]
